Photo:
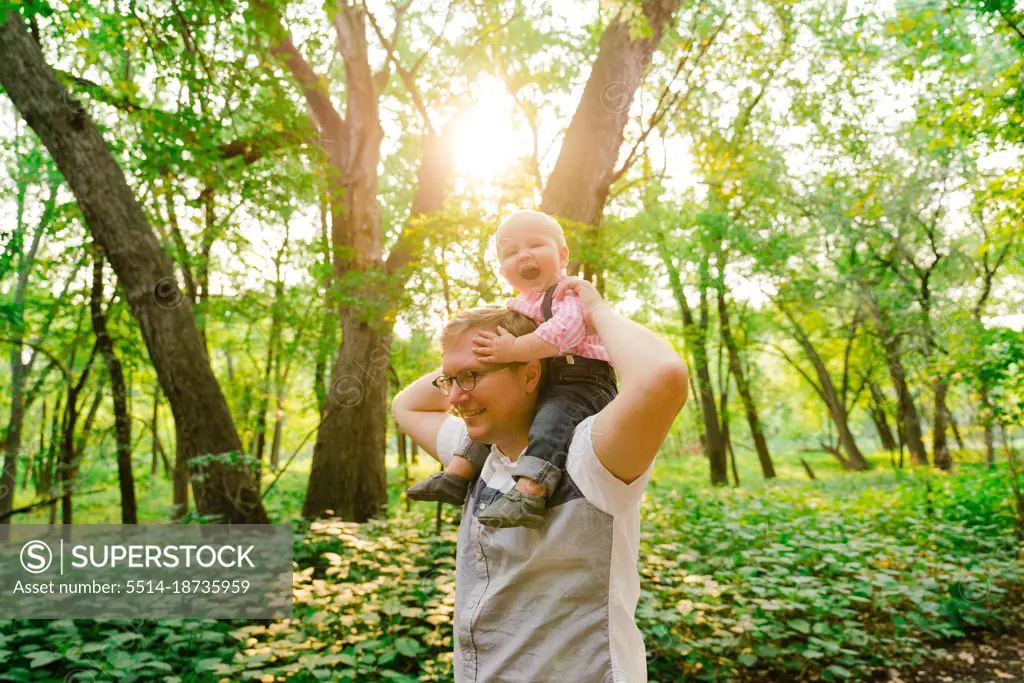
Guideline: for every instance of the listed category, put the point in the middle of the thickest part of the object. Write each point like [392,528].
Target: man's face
[502,402]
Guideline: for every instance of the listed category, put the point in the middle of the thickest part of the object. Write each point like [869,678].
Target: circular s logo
[36,557]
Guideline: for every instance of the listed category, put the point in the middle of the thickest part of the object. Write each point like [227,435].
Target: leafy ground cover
[844,578]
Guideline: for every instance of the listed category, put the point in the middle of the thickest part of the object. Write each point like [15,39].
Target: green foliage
[816,581]
[791,581]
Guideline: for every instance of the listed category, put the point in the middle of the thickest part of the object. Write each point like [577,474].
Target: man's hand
[493,347]
[589,298]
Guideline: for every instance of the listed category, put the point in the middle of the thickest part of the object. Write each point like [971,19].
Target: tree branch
[407,77]
[660,112]
[314,88]
[1010,23]
[43,503]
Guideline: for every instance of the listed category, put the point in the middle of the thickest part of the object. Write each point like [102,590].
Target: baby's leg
[570,399]
[564,407]
[460,467]
[452,485]
[470,462]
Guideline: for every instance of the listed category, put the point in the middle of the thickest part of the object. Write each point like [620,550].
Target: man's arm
[653,384]
[420,410]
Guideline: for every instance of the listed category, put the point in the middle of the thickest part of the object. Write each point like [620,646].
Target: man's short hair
[488,318]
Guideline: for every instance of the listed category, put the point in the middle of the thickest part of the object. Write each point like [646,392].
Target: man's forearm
[420,410]
[422,396]
[639,355]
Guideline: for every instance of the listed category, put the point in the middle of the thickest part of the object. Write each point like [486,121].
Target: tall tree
[118,391]
[205,428]
[577,189]
[19,368]
[347,476]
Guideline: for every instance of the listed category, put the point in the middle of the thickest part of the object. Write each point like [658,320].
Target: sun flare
[487,140]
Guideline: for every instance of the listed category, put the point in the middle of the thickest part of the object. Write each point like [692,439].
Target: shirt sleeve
[566,330]
[600,487]
[452,438]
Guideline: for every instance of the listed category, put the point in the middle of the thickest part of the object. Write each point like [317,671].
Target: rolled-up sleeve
[566,330]
[451,438]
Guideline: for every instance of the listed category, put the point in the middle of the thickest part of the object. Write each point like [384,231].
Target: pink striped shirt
[566,329]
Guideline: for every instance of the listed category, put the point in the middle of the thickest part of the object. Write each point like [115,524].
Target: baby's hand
[494,348]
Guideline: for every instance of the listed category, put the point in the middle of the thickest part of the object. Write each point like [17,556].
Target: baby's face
[531,255]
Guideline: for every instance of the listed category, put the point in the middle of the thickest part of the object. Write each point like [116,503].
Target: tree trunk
[118,224]
[714,444]
[281,381]
[908,411]
[329,320]
[48,464]
[158,447]
[940,446]
[19,370]
[179,486]
[879,417]
[578,186]
[347,476]
[279,417]
[347,473]
[271,373]
[260,438]
[122,421]
[760,444]
[12,444]
[352,484]
[988,421]
[726,437]
[68,465]
[955,426]
[209,236]
[403,454]
[854,458]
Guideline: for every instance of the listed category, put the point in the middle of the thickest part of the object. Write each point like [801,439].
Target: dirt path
[992,659]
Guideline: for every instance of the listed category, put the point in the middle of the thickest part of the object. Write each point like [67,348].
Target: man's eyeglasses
[466,379]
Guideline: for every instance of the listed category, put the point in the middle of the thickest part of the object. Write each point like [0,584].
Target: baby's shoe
[514,509]
[442,486]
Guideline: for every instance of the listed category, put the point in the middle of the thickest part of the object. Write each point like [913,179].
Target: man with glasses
[555,603]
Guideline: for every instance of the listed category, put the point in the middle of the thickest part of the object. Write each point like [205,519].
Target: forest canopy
[233,232]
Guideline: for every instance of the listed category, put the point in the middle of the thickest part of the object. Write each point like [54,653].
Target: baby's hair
[538,217]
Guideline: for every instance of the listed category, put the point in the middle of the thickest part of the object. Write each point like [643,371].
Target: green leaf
[800,625]
[42,658]
[747,659]
[408,647]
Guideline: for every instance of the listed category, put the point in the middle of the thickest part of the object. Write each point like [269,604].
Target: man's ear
[532,372]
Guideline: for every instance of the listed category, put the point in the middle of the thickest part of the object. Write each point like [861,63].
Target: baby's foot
[514,509]
[441,486]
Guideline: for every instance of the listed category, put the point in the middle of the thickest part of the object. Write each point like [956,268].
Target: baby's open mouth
[530,272]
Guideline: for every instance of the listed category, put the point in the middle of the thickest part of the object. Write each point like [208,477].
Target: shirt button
[481,506]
